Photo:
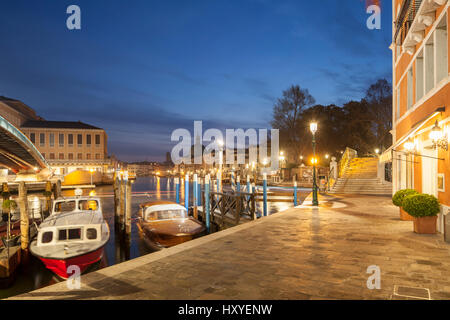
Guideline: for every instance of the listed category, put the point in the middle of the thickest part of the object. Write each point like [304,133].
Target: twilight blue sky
[142,68]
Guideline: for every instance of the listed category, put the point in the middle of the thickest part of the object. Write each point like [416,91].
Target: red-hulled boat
[73,235]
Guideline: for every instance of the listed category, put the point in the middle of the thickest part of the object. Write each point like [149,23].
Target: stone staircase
[360,177]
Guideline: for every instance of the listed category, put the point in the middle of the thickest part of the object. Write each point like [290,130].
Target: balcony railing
[405,19]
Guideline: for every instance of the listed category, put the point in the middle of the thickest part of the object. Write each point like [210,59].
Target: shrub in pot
[397,200]
[424,208]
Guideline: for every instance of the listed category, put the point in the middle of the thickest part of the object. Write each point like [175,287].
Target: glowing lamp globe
[436,132]
[313,127]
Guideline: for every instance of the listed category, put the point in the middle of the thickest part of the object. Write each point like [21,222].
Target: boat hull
[84,261]
[157,239]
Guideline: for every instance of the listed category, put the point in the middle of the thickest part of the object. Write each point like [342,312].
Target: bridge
[17,152]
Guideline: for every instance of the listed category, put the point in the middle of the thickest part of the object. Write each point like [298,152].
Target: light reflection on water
[35,275]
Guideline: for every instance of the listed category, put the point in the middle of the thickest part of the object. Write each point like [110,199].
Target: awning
[418,125]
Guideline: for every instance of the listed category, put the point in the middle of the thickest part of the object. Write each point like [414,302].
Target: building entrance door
[429,177]
[429,170]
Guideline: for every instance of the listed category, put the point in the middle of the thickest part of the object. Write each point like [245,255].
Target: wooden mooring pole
[122,197]
[57,189]
[48,197]
[295,191]
[116,188]
[199,192]
[186,192]
[177,190]
[194,196]
[128,208]
[265,194]
[24,219]
[206,207]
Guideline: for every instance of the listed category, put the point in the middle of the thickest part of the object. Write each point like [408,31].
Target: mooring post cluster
[122,202]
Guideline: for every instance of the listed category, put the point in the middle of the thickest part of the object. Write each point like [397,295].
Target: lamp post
[282,164]
[313,128]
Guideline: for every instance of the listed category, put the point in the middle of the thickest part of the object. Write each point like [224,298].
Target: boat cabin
[163,211]
[76,204]
[69,234]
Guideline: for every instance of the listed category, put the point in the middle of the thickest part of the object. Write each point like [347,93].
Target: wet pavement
[301,253]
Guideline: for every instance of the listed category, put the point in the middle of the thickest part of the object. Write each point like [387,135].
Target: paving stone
[302,253]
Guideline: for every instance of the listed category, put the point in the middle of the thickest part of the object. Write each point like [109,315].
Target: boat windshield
[166,215]
[88,205]
[65,206]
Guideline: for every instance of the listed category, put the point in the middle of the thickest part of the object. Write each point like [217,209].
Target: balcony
[414,17]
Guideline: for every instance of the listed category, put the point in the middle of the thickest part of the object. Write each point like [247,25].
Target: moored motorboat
[164,224]
[73,235]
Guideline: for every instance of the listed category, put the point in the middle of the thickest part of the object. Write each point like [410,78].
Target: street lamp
[377,151]
[313,128]
[409,145]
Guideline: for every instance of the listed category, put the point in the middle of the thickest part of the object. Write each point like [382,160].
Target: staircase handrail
[348,155]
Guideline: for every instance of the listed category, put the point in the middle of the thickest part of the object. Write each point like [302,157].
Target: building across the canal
[421,98]
[68,146]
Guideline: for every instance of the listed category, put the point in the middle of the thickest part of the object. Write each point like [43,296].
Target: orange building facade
[421,99]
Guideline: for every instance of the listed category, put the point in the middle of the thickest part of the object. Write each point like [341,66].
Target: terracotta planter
[405,216]
[425,225]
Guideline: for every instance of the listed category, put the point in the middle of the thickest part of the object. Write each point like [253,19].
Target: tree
[287,115]
[361,125]
[379,99]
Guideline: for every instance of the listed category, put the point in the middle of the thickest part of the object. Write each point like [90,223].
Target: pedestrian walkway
[302,253]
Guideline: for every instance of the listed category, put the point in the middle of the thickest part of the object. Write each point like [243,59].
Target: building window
[410,89]
[70,156]
[80,140]
[88,140]
[419,76]
[70,139]
[52,156]
[80,156]
[97,140]
[61,139]
[51,139]
[441,47]
[398,101]
[429,65]
[33,138]
[61,156]
[88,156]
[42,139]
[97,156]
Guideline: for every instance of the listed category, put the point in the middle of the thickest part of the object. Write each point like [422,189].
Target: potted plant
[397,200]
[424,208]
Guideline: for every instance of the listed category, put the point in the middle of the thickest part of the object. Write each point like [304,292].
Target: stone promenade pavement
[301,253]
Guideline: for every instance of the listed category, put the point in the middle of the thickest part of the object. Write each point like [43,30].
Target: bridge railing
[348,155]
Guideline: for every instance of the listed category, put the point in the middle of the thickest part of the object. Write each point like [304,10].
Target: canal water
[34,275]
